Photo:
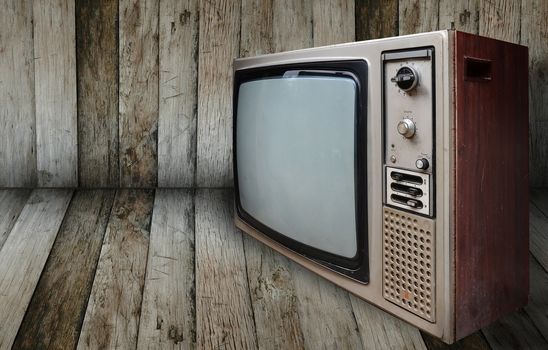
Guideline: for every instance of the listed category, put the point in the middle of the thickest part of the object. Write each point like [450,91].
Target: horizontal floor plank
[537,308]
[24,254]
[538,226]
[168,310]
[112,315]
[54,316]
[11,204]
[515,331]
[224,315]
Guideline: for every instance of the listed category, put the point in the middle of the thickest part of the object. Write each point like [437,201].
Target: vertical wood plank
[534,34]
[55,88]
[500,19]
[333,22]
[376,19]
[138,128]
[256,32]
[218,46]
[24,254]
[11,204]
[17,118]
[224,315]
[168,311]
[379,330]
[56,311]
[461,15]
[178,84]
[417,16]
[292,25]
[112,315]
[273,295]
[97,55]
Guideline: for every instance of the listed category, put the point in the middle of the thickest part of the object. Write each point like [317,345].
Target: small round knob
[422,163]
[406,78]
[406,128]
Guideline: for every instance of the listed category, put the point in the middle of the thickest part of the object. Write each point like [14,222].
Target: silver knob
[422,163]
[406,127]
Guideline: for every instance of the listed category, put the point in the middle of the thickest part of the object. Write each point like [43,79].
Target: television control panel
[408,121]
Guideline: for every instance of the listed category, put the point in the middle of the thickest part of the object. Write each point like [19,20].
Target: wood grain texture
[32,237]
[55,89]
[273,295]
[256,30]
[333,22]
[475,341]
[17,118]
[491,246]
[500,19]
[538,231]
[292,25]
[376,19]
[138,104]
[515,331]
[534,34]
[56,310]
[168,311]
[97,55]
[537,309]
[379,330]
[224,314]
[112,315]
[11,204]
[219,45]
[178,83]
[417,16]
[461,15]
[325,312]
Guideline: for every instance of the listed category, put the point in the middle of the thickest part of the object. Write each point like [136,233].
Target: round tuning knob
[406,127]
[406,78]
[422,163]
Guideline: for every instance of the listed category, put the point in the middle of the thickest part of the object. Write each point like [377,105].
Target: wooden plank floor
[167,269]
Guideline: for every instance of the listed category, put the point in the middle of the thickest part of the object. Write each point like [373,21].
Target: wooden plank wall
[137,93]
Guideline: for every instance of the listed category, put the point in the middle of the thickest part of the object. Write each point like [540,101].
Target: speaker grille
[408,262]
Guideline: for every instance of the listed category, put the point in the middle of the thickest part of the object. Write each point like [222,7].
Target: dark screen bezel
[356,267]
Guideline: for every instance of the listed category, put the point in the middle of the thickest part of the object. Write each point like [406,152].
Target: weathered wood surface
[537,309]
[256,29]
[460,15]
[417,16]
[56,311]
[112,315]
[17,118]
[273,295]
[475,341]
[178,81]
[333,22]
[325,312]
[500,19]
[24,254]
[380,330]
[538,232]
[376,19]
[218,46]
[11,204]
[224,314]
[168,311]
[55,89]
[292,25]
[534,34]
[97,55]
[515,331]
[138,93]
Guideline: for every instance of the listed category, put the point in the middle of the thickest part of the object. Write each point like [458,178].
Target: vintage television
[396,168]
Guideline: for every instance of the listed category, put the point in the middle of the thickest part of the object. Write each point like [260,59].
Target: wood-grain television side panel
[491,177]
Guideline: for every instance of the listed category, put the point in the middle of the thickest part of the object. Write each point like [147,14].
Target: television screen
[295,147]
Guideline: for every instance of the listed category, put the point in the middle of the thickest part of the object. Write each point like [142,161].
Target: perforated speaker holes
[408,262]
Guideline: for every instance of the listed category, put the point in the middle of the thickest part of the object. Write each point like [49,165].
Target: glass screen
[295,147]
